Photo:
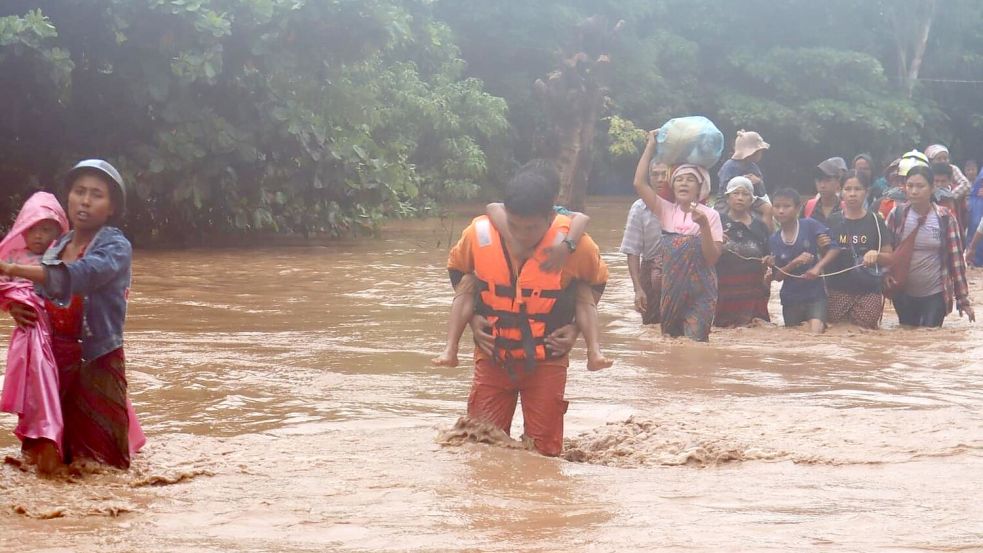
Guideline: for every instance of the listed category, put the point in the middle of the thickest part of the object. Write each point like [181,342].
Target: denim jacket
[102,278]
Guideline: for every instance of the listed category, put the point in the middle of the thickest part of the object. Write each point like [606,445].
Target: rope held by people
[786,273]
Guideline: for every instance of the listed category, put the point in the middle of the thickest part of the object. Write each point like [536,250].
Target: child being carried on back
[462,308]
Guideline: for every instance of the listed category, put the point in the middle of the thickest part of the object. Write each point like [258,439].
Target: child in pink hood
[30,386]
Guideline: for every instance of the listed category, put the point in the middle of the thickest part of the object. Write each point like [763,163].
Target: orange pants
[494,394]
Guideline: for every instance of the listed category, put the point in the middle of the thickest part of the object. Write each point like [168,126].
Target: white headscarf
[740,182]
[934,150]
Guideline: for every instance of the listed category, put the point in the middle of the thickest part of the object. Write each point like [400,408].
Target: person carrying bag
[896,277]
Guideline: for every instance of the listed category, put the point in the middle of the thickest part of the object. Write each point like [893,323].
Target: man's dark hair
[788,194]
[942,169]
[533,189]
[861,178]
[819,174]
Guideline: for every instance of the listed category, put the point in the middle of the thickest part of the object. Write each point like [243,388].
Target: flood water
[289,405]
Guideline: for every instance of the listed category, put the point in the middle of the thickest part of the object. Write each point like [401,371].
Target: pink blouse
[675,220]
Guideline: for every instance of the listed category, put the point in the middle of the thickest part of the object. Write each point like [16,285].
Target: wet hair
[533,189]
[941,170]
[788,194]
[860,177]
[924,171]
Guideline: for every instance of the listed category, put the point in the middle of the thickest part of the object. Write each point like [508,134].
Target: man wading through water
[523,324]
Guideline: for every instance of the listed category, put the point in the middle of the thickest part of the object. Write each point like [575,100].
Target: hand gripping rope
[840,272]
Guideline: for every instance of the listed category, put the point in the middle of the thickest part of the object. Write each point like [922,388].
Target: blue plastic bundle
[694,140]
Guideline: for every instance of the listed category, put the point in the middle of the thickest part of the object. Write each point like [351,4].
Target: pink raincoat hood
[40,206]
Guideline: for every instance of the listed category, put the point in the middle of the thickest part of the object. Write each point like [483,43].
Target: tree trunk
[911,41]
[573,99]
[919,54]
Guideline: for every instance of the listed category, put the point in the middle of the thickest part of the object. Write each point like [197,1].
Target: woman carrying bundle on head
[690,247]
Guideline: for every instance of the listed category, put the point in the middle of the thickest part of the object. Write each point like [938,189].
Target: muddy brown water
[289,406]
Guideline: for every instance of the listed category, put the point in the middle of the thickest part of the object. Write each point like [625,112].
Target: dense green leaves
[230,116]
[323,116]
[816,78]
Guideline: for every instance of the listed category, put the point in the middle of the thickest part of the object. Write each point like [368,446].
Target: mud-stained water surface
[290,406]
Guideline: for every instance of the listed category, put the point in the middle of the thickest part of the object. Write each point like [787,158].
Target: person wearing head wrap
[863,164]
[743,294]
[937,153]
[959,185]
[690,248]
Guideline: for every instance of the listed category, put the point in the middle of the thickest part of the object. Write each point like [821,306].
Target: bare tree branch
[920,45]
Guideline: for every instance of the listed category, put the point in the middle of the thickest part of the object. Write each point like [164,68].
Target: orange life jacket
[523,306]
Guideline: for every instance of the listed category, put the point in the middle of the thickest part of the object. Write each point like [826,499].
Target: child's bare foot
[446,359]
[596,361]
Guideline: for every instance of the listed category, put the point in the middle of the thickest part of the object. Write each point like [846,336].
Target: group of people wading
[839,254]
[527,278]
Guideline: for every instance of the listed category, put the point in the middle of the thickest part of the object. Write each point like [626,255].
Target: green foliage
[237,116]
[625,140]
[306,116]
[33,36]
[820,96]
[816,78]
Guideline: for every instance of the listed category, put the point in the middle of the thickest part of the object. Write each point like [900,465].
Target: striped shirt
[960,184]
[643,232]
